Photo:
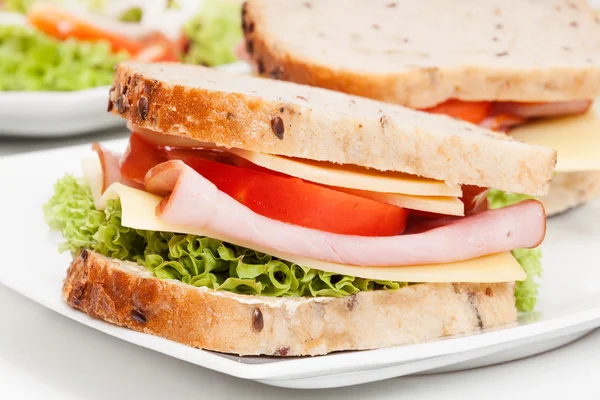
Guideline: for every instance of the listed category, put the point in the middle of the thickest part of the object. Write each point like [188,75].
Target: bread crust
[510,58]
[125,294]
[300,121]
[570,190]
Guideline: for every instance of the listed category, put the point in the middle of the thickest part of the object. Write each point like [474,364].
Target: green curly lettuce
[213,33]
[33,61]
[526,291]
[499,199]
[530,259]
[196,260]
[133,14]
[18,6]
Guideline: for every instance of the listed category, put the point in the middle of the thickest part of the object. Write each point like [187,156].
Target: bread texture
[570,190]
[422,53]
[263,115]
[125,294]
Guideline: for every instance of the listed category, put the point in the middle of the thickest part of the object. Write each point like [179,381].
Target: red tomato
[272,194]
[303,203]
[470,111]
[157,48]
[61,24]
[474,198]
[140,157]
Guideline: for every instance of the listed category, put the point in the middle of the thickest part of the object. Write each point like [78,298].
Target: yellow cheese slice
[576,139]
[351,176]
[435,204]
[139,212]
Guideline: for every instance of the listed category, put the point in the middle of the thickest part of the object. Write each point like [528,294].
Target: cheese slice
[576,139]
[351,176]
[435,204]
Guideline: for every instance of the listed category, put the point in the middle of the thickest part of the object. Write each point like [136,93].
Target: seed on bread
[257,320]
[122,105]
[351,302]
[277,126]
[138,316]
[143,108]
[249,46]
[282,351]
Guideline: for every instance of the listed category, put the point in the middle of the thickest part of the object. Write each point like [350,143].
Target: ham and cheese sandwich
[529,68]
[252,216]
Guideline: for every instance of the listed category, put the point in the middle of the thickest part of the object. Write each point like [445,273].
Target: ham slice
[111,165]
[111,168]
[539,110]
[192,200]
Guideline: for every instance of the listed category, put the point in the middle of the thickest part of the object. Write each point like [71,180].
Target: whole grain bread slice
[126,294]
[284,118]
[421,53]
[570,190]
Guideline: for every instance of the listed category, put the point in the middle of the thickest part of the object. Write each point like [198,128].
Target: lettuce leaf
[196,260]
[530,259]
[499,199]
[18,6]
[526,291]
[33,61]
[213,33]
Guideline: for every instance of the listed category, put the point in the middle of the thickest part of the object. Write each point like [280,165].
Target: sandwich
[258,217]
[528,68]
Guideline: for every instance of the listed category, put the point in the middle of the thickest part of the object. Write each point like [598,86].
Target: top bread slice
[421,53]
[268,116]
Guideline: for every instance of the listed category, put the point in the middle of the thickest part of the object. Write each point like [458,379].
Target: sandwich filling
[504,115]
[268,225]
[571,128]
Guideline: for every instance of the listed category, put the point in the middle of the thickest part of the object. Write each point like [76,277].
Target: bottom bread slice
[126,294]
[571,189]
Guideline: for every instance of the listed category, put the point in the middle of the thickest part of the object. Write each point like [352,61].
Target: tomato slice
[140,157]
[157,48]
[273,195]
[298,202]
[62,25]
[470,111]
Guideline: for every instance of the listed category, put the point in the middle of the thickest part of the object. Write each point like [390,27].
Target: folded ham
[192,200]
[540,110]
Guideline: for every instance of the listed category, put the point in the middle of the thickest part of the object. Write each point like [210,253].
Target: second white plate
[59,114]
[55,114]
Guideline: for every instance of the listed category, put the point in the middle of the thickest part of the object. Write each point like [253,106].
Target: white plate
[569,302]
[55,114]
